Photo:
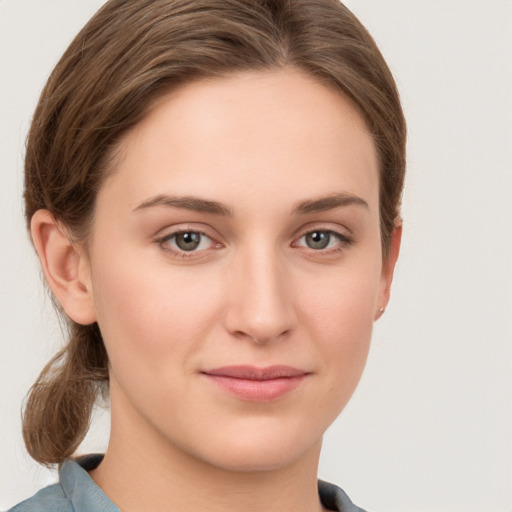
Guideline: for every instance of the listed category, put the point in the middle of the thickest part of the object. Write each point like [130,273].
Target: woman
[213,190]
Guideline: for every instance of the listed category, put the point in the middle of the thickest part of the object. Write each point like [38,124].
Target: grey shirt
[77,492]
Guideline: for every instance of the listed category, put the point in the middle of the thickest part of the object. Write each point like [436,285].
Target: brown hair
[127,56]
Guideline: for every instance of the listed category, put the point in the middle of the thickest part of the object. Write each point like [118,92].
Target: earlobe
[65,268]
[388,268]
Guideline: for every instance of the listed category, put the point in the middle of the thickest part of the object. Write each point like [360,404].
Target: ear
[388,268]
[65,267]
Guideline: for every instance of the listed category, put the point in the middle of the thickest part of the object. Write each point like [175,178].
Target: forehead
[279,133]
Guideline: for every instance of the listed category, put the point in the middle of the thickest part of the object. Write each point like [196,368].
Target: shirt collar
[80,489]
[83,493]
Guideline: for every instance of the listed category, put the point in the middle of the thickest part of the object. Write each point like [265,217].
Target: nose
[261,298]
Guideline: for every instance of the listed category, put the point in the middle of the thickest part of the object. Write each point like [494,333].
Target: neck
[156,475]
[140,481]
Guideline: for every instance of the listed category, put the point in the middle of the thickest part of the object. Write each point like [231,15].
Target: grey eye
[188,241]
[318,239]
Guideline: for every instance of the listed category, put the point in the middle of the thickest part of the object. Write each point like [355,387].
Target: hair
[125,58]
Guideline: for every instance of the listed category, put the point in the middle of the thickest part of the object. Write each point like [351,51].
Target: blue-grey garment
[77,492]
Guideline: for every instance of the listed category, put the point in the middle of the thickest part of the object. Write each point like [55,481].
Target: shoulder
[334,498]
[49,499]
[75,492]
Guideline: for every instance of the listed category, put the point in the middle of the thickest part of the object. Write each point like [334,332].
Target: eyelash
[344,241]
[163,243]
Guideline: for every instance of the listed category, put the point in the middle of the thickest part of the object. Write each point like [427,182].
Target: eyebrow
[197,204]
[329,202]
[186,203]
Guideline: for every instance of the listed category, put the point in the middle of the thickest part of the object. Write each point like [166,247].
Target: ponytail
[59,405]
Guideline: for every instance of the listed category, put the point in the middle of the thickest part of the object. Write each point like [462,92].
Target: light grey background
[430,427]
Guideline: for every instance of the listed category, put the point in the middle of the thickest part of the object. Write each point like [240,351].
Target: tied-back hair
[132,53]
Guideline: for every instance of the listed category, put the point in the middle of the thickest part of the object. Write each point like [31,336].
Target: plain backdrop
[430,427]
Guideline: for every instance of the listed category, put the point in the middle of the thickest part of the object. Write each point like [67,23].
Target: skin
[254,291]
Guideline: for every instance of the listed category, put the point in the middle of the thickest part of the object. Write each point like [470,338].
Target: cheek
[342,303]
[340,317]
[151,317]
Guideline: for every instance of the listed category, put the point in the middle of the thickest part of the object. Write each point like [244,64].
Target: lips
[256,384]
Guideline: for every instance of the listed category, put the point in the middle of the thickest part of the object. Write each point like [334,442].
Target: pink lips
[257,384]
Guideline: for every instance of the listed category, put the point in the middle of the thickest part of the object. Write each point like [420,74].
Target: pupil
[188,241]
[318,239]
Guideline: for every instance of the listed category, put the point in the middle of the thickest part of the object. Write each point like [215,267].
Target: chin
[257,452]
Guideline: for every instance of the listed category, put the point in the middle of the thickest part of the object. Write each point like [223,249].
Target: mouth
[257,384]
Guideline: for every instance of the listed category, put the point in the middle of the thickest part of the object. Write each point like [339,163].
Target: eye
[318,239]
[182,242]
[189,240]
[323,239]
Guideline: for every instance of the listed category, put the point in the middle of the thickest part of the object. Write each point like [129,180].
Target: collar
[84,495]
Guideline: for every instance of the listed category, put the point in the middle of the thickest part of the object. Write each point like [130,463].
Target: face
[235,268]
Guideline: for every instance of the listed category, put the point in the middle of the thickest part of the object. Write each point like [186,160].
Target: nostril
[261,339]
